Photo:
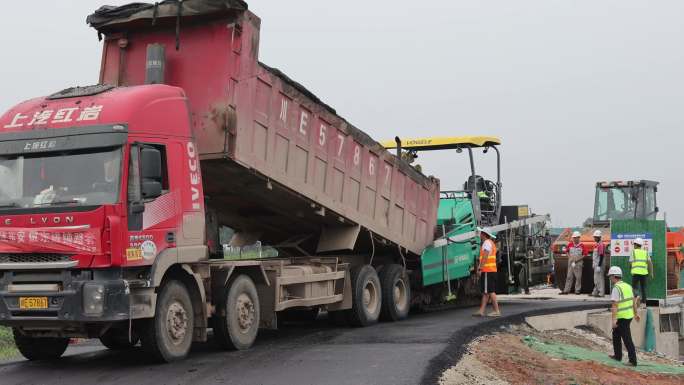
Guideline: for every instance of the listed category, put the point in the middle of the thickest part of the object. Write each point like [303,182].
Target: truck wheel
[237,318]
[168,336]
[38,349]
[117,339]
[366,296]
[396,292]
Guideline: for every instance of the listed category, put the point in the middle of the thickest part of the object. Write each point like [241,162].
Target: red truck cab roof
[144,109]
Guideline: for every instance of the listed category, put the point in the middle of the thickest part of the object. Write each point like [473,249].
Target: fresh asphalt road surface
[387,353]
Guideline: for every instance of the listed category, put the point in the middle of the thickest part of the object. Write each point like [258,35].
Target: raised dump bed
[278,164]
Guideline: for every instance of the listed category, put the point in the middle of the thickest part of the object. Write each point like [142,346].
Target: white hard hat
[576,234]
[487,231]
[598,233]
[615,270]
[639,242]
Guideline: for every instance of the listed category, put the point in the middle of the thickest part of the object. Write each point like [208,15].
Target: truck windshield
[81,177]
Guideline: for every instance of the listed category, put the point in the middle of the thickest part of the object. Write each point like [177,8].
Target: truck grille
[34,258]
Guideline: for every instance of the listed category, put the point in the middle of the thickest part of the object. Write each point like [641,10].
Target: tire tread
[40,349]
[149,335]
[222,334]
[356,316]
[387,276]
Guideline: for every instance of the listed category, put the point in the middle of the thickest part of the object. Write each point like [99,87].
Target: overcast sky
[579,91]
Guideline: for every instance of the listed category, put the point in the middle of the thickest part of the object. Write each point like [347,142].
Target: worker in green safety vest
[642,266]
[624,309]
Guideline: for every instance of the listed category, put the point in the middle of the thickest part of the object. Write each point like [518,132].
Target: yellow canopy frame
[443,142]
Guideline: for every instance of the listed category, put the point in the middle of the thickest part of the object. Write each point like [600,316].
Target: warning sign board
[622,244]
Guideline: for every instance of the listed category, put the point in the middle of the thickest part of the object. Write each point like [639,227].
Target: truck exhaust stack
[155,64]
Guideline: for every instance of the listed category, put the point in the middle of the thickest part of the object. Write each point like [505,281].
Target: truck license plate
[33,302]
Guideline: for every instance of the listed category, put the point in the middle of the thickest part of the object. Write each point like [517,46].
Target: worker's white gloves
[597,269]
[573,265]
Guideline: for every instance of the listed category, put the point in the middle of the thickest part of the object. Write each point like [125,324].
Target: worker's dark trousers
[640,280]
[623,333]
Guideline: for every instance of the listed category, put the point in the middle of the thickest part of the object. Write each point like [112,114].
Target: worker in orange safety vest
[486,271]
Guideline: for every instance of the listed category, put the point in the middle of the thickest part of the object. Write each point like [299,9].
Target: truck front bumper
[62,297]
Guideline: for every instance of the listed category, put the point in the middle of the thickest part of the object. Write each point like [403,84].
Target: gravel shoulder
[504,357]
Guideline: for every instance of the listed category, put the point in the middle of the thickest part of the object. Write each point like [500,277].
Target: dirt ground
[503,358]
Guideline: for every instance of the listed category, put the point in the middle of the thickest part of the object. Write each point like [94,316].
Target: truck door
[151,203]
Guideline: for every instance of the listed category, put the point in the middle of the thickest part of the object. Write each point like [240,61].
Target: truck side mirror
[137,207]
[150,159]
[151,172]
[151,189]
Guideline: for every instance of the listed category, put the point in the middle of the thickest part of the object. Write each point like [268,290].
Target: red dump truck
[112,196]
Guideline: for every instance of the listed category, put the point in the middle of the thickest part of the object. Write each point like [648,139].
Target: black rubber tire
[359,315]
[117,339]
[156,338]
[40,349]
[391,276]
[240,297]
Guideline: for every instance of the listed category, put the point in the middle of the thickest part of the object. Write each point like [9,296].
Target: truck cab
[100,186]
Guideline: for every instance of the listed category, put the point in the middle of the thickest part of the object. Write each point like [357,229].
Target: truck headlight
[93,299]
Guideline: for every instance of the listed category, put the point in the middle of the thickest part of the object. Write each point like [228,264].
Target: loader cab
[625,200]
[482,194]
